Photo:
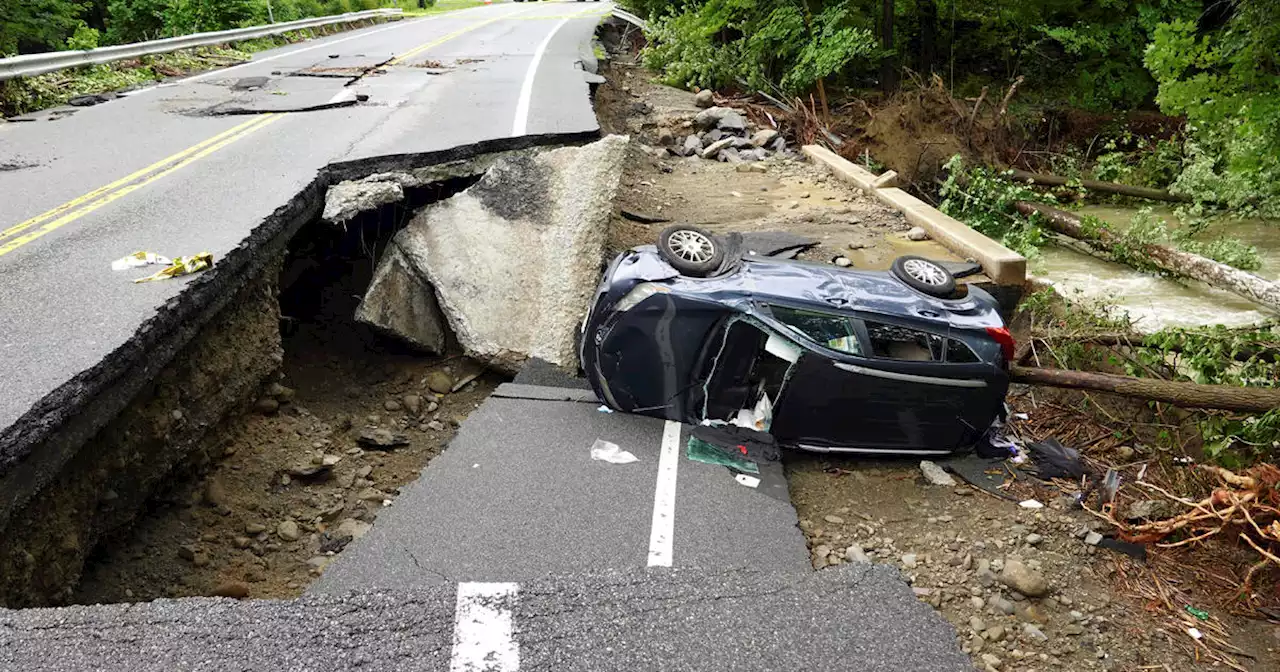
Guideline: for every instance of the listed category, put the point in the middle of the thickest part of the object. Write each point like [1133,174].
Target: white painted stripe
[484,634]
[663,527]
[521,123]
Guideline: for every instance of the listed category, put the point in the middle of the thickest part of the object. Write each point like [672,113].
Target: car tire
[691,250]
[924,276]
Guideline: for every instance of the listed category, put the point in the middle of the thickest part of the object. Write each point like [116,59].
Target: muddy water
[1152,302]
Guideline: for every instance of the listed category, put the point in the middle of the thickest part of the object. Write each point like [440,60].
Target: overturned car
[823,358]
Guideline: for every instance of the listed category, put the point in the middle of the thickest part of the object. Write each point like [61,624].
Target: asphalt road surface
[192,166]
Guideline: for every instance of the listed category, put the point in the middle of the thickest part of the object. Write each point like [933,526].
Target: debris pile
[723,134]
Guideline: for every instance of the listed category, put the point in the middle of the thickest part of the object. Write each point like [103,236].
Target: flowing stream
[1153,302]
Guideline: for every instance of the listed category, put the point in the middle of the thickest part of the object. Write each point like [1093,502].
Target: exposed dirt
[291,485]
[782,193]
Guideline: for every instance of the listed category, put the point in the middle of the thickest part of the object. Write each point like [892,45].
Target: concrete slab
[517,496]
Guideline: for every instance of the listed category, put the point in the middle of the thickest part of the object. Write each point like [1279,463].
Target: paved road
[700,620]
[165,170]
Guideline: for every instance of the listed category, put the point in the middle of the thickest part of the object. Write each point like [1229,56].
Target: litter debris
[138,259]
[604,409]
[1198,613]
[1137,551]
[1054,460]
[1030,504]
[754,445]
[181,266]
[936,475]
[1195,633]
[606,451]
[749,481]
[707,453]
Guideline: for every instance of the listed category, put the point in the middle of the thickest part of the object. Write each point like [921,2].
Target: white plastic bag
[606,451]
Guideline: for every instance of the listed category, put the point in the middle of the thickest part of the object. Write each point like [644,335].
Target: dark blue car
[821,357]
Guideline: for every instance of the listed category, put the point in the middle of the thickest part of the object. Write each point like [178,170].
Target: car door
[875,393]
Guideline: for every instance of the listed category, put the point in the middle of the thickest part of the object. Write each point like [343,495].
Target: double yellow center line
[51,220]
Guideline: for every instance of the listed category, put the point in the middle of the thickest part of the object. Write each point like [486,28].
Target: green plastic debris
[701,451]
[1198,613]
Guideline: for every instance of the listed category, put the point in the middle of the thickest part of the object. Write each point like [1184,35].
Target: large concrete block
[401,301]
[514,259]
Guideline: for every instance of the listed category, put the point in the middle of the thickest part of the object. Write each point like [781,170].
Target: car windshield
[833,331]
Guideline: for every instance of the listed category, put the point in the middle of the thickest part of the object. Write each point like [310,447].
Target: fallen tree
[1135,340]
[1180,263]
[1182,394]
[1098,185]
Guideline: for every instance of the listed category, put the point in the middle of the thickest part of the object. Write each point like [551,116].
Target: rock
[254,528]
[345,200]
[763,137]
[713,135]
[1150,509]
[732,123]
[822,550]
[842,262]
[834,519]
[1072,629]
[432,406]
[641,108]
[435,425]
[233,589]
[909,560]
[704,98]
[917,233]
[215,493]
[991,660]
[1001,605]
[1033,539]
[200,559]
[439,382]
[412,403]
[778,144]
[550,210]
[288,531]
[1092,538]
[1032,632]
[935,474]
[714,117]
[692,145]
[728,155]
[665,137]
[372,495]
[976,645]
[742,144]
[855,554]
[188,552]
[363,472]
[1032,613]
[977,602]
[994,633]
[381,439]
[266,406]
[241,542]
[1124,453]
[1023,579]
[320,562]
[392,405]
[310,472]
[353,528]
[976,624]
[714,148]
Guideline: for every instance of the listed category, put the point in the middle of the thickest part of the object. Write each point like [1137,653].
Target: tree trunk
[1186,395]
[889,64]
[928,46]
[1097,185]
[1185,264]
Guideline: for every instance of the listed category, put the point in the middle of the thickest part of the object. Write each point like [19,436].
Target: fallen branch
[1004,104]
[1181,263]
[1098,185]
[1185,395]
[976,106]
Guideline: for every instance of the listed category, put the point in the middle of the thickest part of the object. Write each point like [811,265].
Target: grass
[410,7]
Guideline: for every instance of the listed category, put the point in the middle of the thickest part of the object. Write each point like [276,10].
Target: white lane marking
[663,527]
[521,123]
[484,635]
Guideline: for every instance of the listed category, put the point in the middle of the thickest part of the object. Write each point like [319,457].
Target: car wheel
[690,250]
[925,276]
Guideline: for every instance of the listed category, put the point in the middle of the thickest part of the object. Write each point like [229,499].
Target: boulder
[692,145]
[345,200]
[704,98]
[514,258]
[723,118]
[1023,579]
[712,150]
[764,137]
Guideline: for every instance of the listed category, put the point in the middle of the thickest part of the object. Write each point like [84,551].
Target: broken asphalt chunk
[381,439]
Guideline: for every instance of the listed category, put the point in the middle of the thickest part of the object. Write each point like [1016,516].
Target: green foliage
[984,200]
[762,42]
[1227,84]
[37,25]
[84,38]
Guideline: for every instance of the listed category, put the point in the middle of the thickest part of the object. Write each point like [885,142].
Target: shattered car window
[893,342]
[833,331]
[959,353]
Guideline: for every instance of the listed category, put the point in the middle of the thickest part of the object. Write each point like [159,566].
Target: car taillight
[1005,339]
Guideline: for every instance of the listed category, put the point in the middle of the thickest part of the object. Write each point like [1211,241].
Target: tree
[28,26]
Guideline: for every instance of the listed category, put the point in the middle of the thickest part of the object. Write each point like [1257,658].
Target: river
[1152,302]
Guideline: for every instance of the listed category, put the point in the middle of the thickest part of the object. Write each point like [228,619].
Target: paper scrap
[181,266]
[749,481]
[1030,504]
[138,259]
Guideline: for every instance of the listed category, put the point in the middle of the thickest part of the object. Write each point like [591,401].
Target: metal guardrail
[631,18]
[37,64]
